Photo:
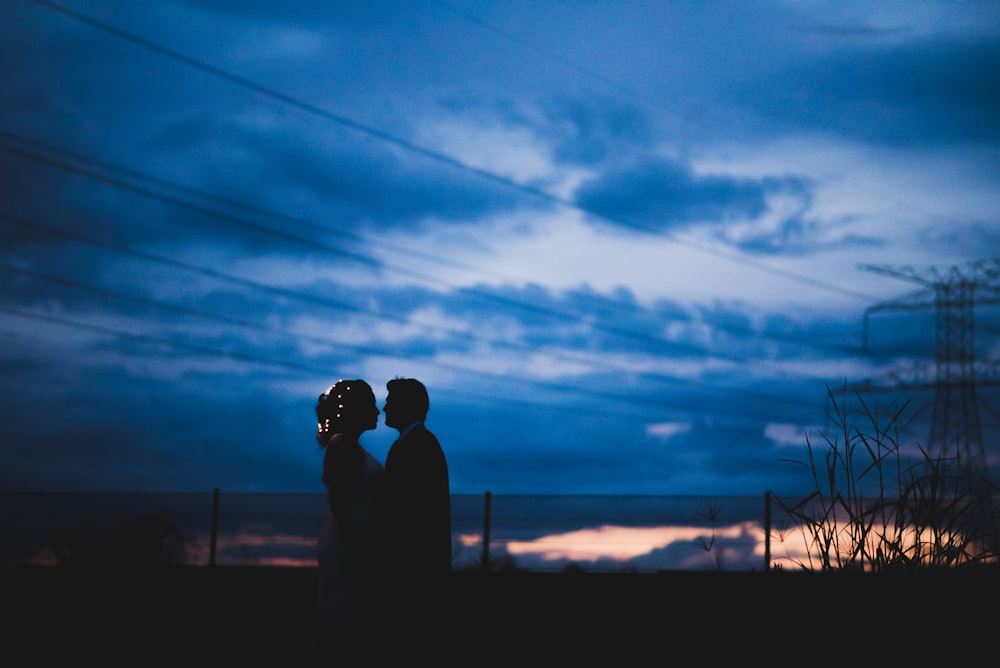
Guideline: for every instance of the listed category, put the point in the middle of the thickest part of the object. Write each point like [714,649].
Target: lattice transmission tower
[955,431]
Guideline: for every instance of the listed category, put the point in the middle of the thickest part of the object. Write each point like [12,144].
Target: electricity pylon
[955,432]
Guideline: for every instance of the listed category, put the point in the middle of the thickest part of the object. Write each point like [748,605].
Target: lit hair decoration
[324,426]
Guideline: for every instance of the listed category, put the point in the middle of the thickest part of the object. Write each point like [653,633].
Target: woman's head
[348,407]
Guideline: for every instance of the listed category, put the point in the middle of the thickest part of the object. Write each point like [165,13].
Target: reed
[875,510]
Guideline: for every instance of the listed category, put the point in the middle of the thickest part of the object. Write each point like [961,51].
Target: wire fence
[616,533]
[530,532]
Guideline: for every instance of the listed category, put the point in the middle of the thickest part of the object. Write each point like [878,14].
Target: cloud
[596,132]
[919,92]
[664,195]
[588,230]
[665,430]
[786,434]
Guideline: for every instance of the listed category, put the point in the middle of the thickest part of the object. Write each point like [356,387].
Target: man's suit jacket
[418,505]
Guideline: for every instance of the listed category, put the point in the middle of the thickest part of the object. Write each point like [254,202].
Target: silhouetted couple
[385,547]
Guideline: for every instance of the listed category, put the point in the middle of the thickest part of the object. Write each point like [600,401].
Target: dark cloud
[352,181]
[800,234]
[920,92]
[658,195]
[972,236]
[595,131]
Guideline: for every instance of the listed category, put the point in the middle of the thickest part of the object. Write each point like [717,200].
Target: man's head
[406,402]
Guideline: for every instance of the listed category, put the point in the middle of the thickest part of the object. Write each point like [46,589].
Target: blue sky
[626,246]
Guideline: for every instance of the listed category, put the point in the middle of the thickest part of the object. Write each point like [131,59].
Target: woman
[347,547]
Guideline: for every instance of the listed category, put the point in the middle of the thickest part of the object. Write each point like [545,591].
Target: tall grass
[875,510]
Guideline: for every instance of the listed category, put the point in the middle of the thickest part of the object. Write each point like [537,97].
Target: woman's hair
[345,406]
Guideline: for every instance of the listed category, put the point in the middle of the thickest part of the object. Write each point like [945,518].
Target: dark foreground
[252,616]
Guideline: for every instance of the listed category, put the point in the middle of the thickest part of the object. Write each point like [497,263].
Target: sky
[629,247]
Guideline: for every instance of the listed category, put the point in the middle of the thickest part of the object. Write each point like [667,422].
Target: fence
[530,532]
[489,531]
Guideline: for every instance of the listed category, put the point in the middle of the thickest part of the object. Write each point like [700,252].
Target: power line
[156,340]
[340,305]
[609,84]
[294,294]
[507,302]
[365,259]
[185,266]
[215,274]
[404,144]
[436,156]
[560,388]
[218,215]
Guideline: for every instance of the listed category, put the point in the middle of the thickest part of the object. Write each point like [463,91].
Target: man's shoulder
[417,438]
[423,429]
[420,435]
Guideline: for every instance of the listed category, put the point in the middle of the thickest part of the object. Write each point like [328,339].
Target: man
[417,515]
[417,493]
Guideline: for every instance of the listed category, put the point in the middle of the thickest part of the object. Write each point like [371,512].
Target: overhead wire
[373,132]
[561,388]
[658,377]
[301,296]
[631,94]
[426,153]
[359,257]
[431,154]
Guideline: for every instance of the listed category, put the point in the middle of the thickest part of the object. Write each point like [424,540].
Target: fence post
[767,531]
[215,527]
[485,559]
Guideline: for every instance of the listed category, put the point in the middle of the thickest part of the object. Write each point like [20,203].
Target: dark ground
[249,615]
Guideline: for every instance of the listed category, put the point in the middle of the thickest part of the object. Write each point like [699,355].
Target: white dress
[342,559]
